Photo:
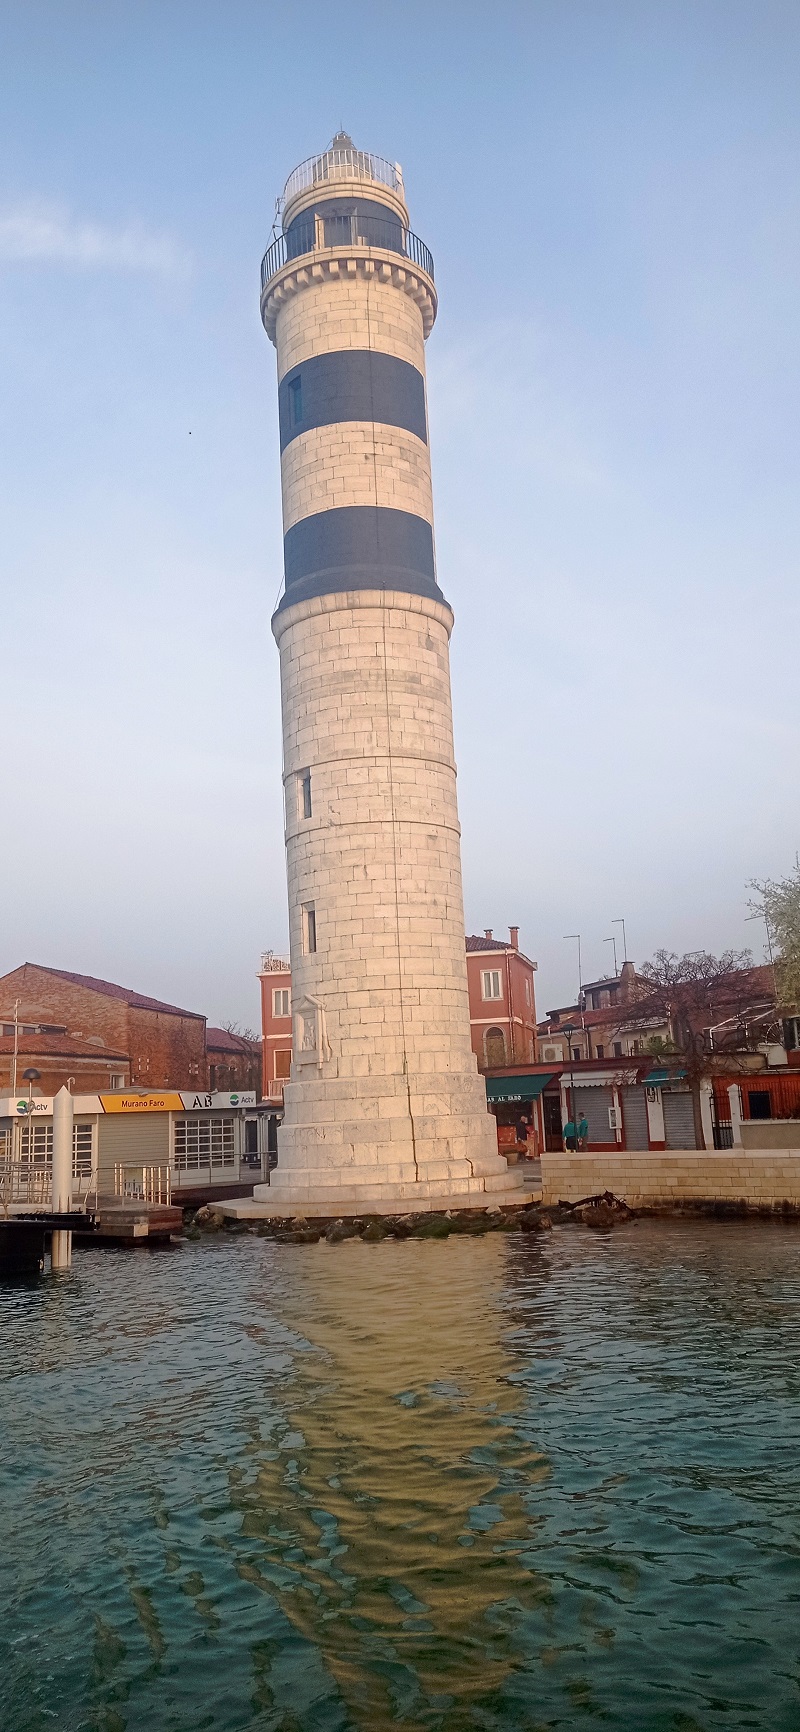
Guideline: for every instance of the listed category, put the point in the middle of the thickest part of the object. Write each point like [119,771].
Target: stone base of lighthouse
[384,1145]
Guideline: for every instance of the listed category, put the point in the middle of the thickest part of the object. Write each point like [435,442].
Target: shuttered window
[593,1104]
[678,1119]
[495,1046]
[634,1108]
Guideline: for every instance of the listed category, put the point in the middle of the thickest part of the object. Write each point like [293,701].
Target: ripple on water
[497,1483]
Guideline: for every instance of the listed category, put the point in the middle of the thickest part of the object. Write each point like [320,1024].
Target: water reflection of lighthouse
[389,1515]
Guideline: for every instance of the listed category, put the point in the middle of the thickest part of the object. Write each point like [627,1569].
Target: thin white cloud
[49,234]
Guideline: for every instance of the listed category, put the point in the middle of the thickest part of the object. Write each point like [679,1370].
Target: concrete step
[362,1202]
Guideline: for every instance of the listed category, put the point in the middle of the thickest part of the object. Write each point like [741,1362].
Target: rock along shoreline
[603,1213]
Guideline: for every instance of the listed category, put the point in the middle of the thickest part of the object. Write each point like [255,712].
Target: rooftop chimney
[487,932]
[514,930]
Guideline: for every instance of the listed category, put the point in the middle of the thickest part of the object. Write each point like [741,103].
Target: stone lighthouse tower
[385,1109]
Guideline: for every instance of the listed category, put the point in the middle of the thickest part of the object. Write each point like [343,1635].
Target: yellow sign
[165,1103]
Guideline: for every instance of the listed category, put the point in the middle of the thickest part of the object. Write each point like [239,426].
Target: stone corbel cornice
[337,263]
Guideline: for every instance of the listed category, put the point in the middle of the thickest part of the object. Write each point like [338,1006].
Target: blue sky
[611,195]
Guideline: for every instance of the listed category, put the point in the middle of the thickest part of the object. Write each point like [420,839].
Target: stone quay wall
[762,1178]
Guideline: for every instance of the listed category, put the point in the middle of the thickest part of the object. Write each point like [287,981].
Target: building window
[295,400]
[576,1053]
[527,990]
[36,1143]
[203,1143]
[618,1049]
[304,794]
[495,1046]
[82,1151]
[491,983]
[281,1002]
[600,1051]
[283,1063]
[117,1080]
[605,999]
[309,928]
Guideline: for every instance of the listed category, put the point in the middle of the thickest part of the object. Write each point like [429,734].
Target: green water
[502,1483]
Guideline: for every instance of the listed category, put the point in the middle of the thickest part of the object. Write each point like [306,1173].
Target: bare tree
[714,1009]
[235,1029]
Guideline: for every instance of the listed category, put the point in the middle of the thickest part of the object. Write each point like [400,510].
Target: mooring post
[63,1114]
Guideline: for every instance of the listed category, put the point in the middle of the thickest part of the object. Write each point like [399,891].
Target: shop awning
[658,1078]
[516,1088]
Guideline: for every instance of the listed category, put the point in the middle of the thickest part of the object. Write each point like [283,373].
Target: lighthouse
[385,1110]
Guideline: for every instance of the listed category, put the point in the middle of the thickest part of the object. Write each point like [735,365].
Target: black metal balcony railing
[345,231]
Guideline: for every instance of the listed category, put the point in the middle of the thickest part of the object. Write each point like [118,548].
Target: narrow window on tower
[309,928]
[304,794]
[295,400]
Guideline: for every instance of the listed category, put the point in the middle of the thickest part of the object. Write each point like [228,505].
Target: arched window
[495,1047]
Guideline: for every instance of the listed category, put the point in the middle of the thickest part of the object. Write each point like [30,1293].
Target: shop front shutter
[133,1138]
[634,1108]
[678,1119]
[593,1104]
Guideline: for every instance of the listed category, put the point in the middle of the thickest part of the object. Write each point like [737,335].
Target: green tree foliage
[778,901]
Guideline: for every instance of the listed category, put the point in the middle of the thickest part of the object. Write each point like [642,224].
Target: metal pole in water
[63,1115]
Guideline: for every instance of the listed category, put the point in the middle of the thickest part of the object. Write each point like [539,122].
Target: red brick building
[59,1058]
[276,1024]
[234,1061]
[502,1008]
[502,1000]
[136,1040]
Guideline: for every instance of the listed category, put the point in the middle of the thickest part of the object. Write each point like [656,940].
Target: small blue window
[295,401]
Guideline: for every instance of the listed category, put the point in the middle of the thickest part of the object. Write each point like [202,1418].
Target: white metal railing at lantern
[343,162]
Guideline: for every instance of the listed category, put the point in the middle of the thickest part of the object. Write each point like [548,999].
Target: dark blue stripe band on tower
[359,547]
[351,385]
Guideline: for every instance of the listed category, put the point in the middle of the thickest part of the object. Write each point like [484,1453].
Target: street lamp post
[16,1048]
[30,1077]
[569,1031]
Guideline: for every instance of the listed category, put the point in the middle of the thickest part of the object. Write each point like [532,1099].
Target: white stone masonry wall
[356,313]
[394,1099]
[355,463]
